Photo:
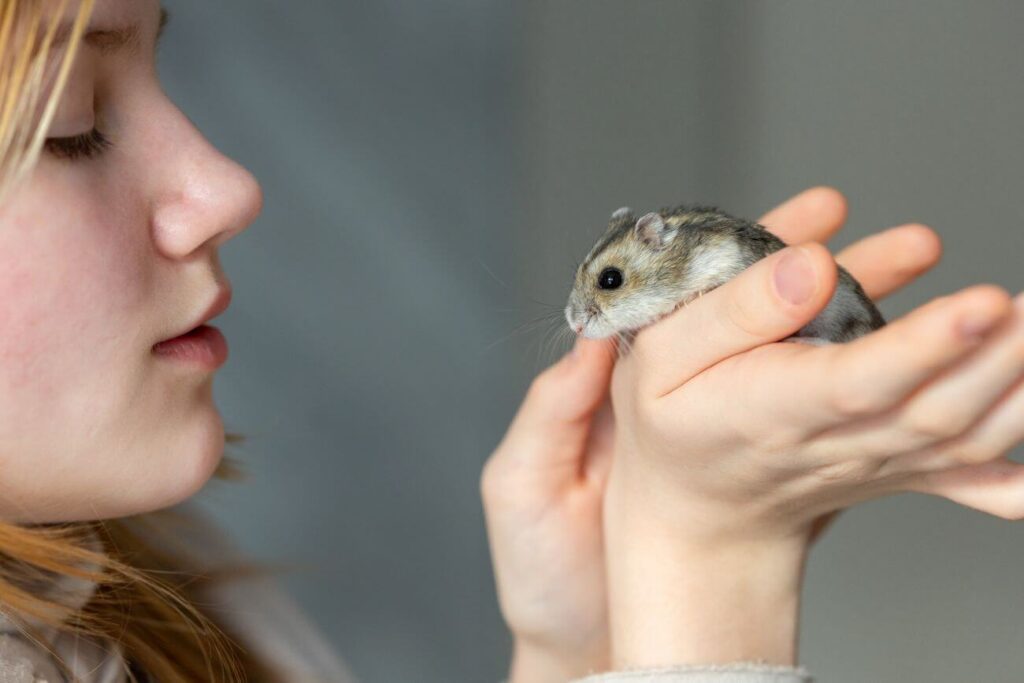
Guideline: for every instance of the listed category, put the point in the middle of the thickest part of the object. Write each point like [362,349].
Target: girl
[112,211]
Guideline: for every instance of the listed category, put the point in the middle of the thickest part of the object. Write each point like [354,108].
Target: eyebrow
[120,39]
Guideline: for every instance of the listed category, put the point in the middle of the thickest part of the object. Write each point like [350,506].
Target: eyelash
[84,146]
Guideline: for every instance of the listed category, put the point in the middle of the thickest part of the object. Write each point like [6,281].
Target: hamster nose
[577,328]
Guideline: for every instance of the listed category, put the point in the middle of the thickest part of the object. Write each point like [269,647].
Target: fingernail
[795,279]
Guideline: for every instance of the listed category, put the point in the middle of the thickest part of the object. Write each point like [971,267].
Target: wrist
[534,663]
[679,594]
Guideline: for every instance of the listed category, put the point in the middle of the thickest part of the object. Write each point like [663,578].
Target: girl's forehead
[117,26]
[111,15]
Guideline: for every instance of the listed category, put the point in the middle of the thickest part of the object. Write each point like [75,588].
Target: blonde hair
[26,40]
[143,598]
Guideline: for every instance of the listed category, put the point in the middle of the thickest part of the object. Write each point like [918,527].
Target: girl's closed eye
[86,145]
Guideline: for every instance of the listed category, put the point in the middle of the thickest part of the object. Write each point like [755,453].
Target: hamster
[644,268]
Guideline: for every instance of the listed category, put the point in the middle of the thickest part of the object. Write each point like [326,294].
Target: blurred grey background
[434,169]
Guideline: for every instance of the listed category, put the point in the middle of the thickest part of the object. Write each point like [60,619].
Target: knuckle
[773,441]
[849,401]
[933,425]
[849,396]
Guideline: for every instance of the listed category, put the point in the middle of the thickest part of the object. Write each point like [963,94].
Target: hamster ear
[621,213]
[652,230]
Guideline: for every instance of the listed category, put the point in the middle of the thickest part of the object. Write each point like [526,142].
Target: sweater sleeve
[726,673]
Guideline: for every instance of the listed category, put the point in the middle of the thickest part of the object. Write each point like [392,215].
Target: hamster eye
[610,278]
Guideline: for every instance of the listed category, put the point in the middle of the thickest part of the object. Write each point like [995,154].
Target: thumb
[769,301]
[556,414]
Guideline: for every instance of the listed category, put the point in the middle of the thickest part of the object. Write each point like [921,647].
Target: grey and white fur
[667,258]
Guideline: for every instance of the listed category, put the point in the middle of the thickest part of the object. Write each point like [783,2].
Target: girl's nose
[204,198]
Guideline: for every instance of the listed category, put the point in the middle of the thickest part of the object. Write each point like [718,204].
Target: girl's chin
[190,463]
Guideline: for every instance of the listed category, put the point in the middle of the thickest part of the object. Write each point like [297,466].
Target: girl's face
[108,248]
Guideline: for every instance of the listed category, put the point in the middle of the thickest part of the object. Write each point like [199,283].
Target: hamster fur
[644,268]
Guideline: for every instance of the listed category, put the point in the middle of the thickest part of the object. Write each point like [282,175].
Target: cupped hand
[730,448]
[543,486]
[720,431]
[542,490]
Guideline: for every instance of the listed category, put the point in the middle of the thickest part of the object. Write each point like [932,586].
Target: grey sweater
[731,673]
[269,622]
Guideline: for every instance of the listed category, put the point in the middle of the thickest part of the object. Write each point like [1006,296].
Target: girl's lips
[205,346]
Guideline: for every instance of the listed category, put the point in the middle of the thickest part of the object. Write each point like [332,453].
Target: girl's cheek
[39,326]
[69,296]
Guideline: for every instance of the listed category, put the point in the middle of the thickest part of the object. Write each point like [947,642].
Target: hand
[544,484]
[542,491]
[730,447]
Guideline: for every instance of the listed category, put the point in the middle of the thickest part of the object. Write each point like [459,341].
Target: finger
[995,487]
[840,385]
[556,414]
[881,369]
[954,402]
[999,432]
[889,260]
[951,404]
[996,435]
[769,301]
[814,215]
